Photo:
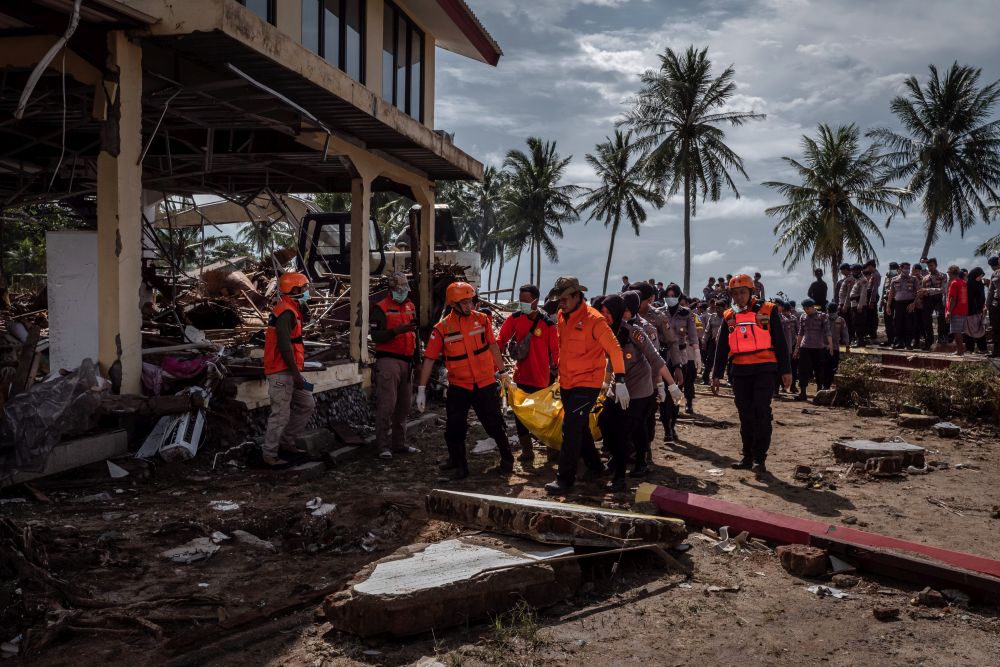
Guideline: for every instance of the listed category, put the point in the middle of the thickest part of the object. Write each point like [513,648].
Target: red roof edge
[461,14]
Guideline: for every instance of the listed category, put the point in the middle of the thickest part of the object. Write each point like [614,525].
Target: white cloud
[735,243]
[708,257]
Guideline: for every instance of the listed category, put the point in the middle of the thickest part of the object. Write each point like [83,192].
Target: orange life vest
[750,335]
[397,314]
[273,363]
[466,349]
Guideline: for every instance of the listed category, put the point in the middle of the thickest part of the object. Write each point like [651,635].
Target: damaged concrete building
[112,106]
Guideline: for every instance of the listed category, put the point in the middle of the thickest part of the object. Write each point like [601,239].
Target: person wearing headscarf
[975,328]
[393,326]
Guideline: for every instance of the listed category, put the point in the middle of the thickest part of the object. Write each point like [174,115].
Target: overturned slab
[421,587]
[553,523]
[850,451]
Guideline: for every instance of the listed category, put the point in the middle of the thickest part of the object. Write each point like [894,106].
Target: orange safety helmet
[741,280]
[458,291]
[288,281]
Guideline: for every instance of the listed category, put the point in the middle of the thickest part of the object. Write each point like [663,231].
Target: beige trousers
[392,402]
[290,410]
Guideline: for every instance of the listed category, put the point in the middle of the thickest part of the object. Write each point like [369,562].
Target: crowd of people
[639,352]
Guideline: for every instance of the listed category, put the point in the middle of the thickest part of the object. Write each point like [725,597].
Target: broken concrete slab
[426,586]
[553,522]
[850,451]
[197,549]
[802,560]
[947,430]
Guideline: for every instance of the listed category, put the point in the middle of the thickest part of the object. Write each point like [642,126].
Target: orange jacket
[465,343]
[397,314]
[585,341]
[750,335]
[273,363]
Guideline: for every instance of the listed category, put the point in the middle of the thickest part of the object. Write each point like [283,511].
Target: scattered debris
[715,472]
[942,505]
[197,549]
[827,591]
[722,589]
[930,598]
[850,451]
[319,508]
[116,471]
[870,411]
[840,566]
[956,597]
[884,466]
[914,470]
[484,446]
[802,560]
[249,539]
[845,580]
[886,614]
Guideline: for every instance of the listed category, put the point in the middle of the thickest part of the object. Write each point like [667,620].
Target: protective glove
[661,392]
[421,401]
[502,376]
[676,394]
[621,395]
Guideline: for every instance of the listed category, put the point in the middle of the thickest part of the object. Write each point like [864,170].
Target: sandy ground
[639,615]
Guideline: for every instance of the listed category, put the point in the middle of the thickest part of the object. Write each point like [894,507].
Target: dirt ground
[638,615]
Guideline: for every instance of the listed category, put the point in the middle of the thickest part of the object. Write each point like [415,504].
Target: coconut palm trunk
[931,234]
[517,267]
[538,272]
[611,251]
[687,233]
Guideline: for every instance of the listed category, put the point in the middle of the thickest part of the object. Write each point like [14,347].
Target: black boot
[461,472]
[744,464]
[557,488]
[617,485]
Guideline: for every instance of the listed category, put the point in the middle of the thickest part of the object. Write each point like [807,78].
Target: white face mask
[400,295]
[524,307]
[671,301]
[302,297]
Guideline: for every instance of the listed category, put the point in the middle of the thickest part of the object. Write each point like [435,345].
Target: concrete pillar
[374,13]
[361,194]
[425,255]
[119,214]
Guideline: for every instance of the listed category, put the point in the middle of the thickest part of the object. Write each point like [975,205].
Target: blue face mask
[524,307]
[400,296]
[302,297]
[671,301]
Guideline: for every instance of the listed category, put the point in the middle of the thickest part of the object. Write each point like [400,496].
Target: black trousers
[690,373]
[872,315]
[577,441]
[829,369]
[523,435]
[995,323]
[811,362]
[890,327]
[753,403]
[708,361]
[486,402]
[932,305]
[903,322]
[624,429]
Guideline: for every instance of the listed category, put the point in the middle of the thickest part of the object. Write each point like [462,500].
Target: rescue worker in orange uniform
[393,330]
[284,359]
[752,339]
[586,342]
[466,340]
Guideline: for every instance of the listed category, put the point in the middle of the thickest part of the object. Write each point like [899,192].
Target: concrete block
[552,522]
[916,421]
[432,586]
[802,560]
[947,430]
[850,451]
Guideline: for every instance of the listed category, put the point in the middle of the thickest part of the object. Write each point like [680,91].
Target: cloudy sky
[570,64]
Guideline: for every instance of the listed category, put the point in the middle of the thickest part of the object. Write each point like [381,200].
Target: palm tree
[676,115]
[536,203]
[951,158]
[624,187]
[263,236]
[827,212]
[990,246]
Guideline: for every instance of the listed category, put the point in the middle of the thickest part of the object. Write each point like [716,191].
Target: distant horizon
[569,65]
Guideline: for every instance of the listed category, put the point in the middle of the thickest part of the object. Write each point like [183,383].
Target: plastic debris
[218,537]
[116,471]
[243,537]
[224,505]
[484,446]
[319,508]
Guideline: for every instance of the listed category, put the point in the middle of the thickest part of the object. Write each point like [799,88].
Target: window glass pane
[352,39]
[389,20]
[401,63]
[331,31]
[310,25]
[258,7]
[416,63]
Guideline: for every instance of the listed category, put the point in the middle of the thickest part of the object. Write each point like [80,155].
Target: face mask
[671,301]
[302,297]
[524,307]
[400,296]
